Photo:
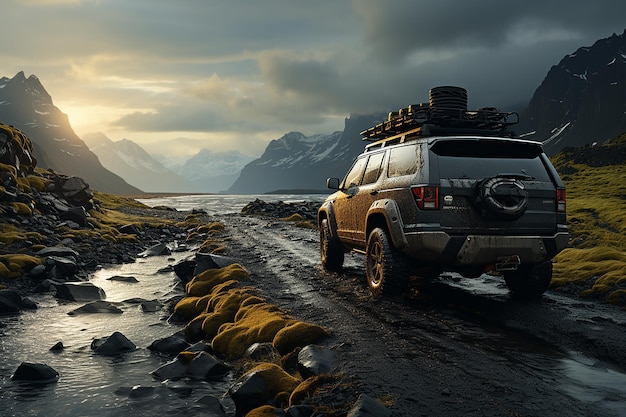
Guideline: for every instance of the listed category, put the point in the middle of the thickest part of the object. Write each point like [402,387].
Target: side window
[372,170]
[354,176]
[404,160]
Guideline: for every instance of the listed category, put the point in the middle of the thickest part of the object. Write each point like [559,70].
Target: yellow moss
[38,182]
[306,224]
[212,227]
[186,308]
[255,323]
[308,387]
[212,246]
[277,381]
[23,185]
[203,283]
[5,272]
[114,202]
[298,334]
[293,218]
[10,234]
[22,209]
[617,297]
[14,265]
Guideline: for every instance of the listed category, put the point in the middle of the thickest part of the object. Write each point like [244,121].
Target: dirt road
[453,347]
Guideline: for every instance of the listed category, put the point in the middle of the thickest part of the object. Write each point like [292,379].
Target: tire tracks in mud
[445,351]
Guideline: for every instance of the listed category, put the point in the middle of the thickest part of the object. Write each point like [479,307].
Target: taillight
[426,196]
[560,200]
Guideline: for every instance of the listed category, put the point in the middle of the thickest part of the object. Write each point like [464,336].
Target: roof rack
[424,120]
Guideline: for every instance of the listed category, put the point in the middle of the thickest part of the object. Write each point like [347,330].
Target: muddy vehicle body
[443,189]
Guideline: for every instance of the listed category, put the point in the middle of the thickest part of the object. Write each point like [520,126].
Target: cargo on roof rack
[445,114]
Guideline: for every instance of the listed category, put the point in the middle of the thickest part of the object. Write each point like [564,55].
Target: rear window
[476,159]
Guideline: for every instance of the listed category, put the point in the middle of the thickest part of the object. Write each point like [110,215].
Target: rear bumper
[482,249]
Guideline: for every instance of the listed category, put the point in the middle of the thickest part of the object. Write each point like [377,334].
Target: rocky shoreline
[56,231]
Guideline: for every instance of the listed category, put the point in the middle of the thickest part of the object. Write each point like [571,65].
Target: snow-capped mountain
[582,100]
[25,104]
[299,162]
[130,161]
[213,172]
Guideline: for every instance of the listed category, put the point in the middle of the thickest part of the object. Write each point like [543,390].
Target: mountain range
[581,101]
[26,105]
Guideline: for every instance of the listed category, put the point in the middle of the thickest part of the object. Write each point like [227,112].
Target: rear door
[494,186]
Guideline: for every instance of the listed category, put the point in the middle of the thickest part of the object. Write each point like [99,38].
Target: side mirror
[332,183]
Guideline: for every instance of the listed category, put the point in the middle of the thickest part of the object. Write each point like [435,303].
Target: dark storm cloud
[396,28]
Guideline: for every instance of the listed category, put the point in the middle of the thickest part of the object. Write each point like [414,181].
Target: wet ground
[452,347]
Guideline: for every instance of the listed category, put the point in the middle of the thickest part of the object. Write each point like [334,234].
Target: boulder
[262,352]
[211,405]
[173,344]
[12,302]
[76,215]
[121,278]
[206,261]
[156,250]
[61,267]
[261,386]
[112,345]
[58,346]
[206,366]
[315,360]
[200,365]
[62,251]
[151,306]
[36,373]
[79,291]
[129,229]
[97,307]
[366,406]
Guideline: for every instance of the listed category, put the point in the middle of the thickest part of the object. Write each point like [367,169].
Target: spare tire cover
[502,197]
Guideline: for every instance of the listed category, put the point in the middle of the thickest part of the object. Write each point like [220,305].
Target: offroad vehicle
[441,188]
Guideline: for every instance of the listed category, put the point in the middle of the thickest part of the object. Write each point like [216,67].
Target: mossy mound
[255,323]
[308,387]
[277,381]
[203,283]
[14,265]
[298,334]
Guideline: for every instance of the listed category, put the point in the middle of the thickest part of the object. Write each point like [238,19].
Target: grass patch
[595,264]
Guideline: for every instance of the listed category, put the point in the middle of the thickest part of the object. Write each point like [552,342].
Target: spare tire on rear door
[502,197]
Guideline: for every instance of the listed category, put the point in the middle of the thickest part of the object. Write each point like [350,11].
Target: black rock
[115,344]
[38,373]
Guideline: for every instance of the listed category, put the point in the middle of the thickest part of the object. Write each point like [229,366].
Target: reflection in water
[88,382]
[592,382]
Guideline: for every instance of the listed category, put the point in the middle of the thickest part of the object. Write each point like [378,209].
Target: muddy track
[449,347]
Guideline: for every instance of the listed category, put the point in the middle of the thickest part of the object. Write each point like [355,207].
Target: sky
[176,76]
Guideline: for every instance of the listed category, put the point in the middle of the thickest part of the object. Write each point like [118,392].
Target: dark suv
[443,188]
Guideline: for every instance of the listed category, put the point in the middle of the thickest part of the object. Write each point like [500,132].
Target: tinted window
[403,160]
[372,170]
[353,178]
[480,159]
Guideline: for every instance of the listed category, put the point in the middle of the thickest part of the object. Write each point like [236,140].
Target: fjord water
[91,384]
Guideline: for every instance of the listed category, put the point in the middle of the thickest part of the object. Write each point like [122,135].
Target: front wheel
[331,251]
[529,281]
[384,266]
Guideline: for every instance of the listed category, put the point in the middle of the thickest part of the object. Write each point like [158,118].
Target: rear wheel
[529,281]
[331,251]
[384,268]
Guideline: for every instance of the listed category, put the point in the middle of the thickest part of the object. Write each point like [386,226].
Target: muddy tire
[331,251]
[529,281]
[384,266]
